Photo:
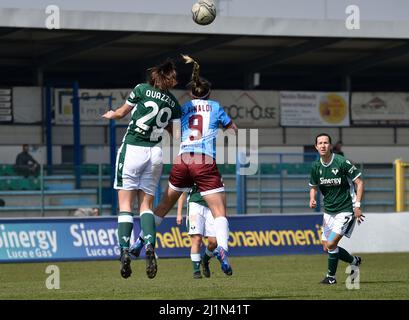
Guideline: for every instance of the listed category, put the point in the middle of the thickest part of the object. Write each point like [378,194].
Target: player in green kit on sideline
[335,177]
[139,159]
[200,222]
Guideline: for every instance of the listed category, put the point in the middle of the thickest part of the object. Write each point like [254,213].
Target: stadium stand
[276,187]
[288,56]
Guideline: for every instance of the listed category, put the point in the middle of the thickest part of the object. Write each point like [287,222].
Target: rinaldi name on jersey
[199,108]
[335,181]
[152,112]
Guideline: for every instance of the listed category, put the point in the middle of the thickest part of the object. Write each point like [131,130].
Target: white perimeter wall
[381,232]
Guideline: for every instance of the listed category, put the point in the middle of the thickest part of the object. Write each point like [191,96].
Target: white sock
[336,250]
[221,226]
[195,257]
[158,221]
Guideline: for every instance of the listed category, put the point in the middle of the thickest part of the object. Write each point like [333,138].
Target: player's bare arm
[181,201]
[118,113]
[233,126]
[359,187]
[313,196]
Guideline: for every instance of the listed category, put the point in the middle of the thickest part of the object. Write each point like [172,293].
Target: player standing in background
[139,159]
[196,162]
[200,222]
[335,177]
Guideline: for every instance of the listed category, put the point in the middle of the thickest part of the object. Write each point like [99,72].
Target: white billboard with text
[314,109]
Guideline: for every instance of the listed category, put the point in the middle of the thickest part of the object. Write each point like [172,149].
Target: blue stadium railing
[276,162]
[55,188]
[276,187]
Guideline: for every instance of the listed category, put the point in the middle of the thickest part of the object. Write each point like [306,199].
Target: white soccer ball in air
[204,12]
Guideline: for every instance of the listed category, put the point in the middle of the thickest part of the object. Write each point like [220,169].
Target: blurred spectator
[2,203]
[86,212]
[26,165]
[337,148]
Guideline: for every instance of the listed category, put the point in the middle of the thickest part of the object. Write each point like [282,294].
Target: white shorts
[138,168]
[200,220]
[342,223]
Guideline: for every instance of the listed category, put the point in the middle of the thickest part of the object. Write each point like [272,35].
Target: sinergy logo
[97,242]
[26,244]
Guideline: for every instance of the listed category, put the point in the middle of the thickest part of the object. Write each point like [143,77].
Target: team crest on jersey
[335,171]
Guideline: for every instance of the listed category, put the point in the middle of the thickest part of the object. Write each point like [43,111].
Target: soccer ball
[204,12]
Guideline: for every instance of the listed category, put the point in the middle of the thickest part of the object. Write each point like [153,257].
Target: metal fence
[280,185]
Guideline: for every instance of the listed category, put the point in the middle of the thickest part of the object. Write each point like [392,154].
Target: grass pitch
[383,276]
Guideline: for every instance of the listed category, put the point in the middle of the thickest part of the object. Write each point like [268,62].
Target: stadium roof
[387,19]
[100,59]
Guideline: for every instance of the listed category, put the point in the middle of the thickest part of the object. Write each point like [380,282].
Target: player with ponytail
[196,162]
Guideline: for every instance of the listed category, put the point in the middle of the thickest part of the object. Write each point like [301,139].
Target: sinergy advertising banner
[249,109]
[62,239]
[314,109]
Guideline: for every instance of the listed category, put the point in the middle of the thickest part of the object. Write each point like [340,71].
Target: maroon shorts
[199,169]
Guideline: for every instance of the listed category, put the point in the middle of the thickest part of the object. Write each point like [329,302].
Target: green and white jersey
[194,196]
[335,181]
[153,110]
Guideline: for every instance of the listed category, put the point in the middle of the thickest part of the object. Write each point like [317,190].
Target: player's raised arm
[118,113]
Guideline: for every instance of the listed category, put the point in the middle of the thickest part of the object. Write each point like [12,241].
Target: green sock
[196,266]
[148,227]
[125,225]
[332,264]
[195,257]
[207,255]
[345,255]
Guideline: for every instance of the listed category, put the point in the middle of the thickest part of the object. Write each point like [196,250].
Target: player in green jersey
[196,163]
[139,160]
[336,177]
[200,222]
